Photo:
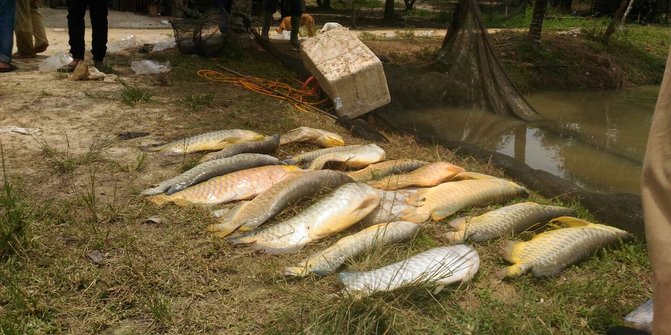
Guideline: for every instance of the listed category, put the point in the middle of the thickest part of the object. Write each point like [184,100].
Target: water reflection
[599,145]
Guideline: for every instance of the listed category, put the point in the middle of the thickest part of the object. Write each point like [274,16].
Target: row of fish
[394,197]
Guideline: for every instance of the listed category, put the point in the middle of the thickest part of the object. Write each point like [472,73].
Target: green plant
[132,94]
[196,102]
[13,217]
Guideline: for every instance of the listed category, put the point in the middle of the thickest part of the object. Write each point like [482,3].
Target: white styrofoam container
[347,71]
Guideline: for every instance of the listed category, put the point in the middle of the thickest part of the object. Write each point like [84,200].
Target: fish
[357,157]
[439,266]
[511,219]
[238,185]
[391,207]
[379,170]
[550,252]
[428,175]
[268,145]
[441,201]
[252,214]
[215,140]
[210,169]
[311,155]
[318,137]
[337,211]
[470,175]
[327,261]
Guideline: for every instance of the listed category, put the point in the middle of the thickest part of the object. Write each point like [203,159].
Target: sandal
[10,68]
[69,67]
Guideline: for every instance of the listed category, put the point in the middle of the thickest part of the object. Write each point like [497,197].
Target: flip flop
[11,68]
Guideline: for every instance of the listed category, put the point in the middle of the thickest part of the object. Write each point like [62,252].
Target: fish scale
[505,220]
[215,140]
[357,157]
[440,266]
[311,155]
[265,146]
[428,175]
[382,169]
[311,135]
[335,212]
[448,198]
[550,252]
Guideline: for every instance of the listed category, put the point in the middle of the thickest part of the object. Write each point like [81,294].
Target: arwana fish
[428,175]
[391,207]
[307,157]
[382,169]
[234,186]
[327,261]
[439,266]
[211,141]
[357,157]
[318,137]
[506,220]
[267,145]
[334,213]
[548,253]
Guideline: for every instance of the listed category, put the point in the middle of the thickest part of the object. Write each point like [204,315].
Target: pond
[598,141]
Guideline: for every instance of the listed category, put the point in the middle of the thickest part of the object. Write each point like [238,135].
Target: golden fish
[239,185]
[307,157]
[215,140]
[550,252]
[267,145]
[379,170]
[425,176]
[319,137]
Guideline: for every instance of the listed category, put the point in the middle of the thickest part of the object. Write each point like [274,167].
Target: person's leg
[7,17]
[296,12]
[98,12]
[40,34]
[24,30]
[269,8]
[76,11]
[655,193]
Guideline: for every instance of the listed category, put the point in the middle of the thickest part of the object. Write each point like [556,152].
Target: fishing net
[201,36]
[465,74]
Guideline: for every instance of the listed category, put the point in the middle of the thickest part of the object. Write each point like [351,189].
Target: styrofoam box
[347,71]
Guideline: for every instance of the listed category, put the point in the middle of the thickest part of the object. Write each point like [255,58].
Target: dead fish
[446,199]
[379,170]
[330,259]
[318,137]
[345,206]
[252,214]
[238,185]
[215,140]
[391,207]
[550,252]
[511,219]
[210,169]
[439,266]
[268,145]
[425,176]
[357,157]
[311,155]
[469,175]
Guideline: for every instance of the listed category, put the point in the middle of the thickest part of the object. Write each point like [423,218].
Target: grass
[65,161]
[13,216]
[197,102]
[131,94]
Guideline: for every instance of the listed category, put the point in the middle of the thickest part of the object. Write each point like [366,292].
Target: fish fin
[515,270]
[456,236]
[182,202]
[413,215]
[230,213]
[296,271]
[241,239]
[332,141]
[275,250]
[508,251]
[153,191]
[567,221]
[160,199]
[223,229]
[440,214]
[416,199]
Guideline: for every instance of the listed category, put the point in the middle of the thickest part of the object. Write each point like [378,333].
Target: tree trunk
[409,4]
[324,4]
[626,12]
[614,23]
[537,20]
[388,11]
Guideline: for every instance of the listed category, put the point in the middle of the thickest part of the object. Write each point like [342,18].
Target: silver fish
[215,140]
[511,219]
[210,169]
[307,157]
[271,202]
[319,137]
[328,260]
[335,212]
[268,145]
[357,157]
[391,207]
[382,169]
[440,266]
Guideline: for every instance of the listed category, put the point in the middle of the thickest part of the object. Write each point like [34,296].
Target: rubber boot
[295,24]
[267,18]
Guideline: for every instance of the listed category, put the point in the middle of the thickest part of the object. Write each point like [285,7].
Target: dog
[306,20]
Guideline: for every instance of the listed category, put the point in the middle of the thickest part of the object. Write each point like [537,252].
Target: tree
[324,4]
[563,5]
[615,22]
[409,4]
[537,20]
[388,11]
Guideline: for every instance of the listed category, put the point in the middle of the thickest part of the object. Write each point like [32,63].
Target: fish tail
[241,239]
[223,229]
[153,191]
[296,271]
[175,188]
[160,199]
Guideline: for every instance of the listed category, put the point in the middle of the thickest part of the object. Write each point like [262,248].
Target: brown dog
[306,20]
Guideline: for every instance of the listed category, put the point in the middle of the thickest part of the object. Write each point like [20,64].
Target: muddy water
[598,141]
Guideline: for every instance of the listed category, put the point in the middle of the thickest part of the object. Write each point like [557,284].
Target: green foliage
[13,216]
[131,94]
[196,102]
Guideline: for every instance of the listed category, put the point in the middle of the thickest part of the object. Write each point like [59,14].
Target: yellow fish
[425,176]
[318,137]
[382,169]
[215,140]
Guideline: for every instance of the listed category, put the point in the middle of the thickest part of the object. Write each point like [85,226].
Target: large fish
[391,207]
[267,145]
[334,213]
[439,266]
[470,175]
[251,214]
[238,185]
[425,176]
[506,220]
[307,157]
[446,199]
[550,252]
[213,168]
[215,140]
[319,137]
[382,169]
[328,260]
[357,157]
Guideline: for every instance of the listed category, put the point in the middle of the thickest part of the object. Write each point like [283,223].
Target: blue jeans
[7,11]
